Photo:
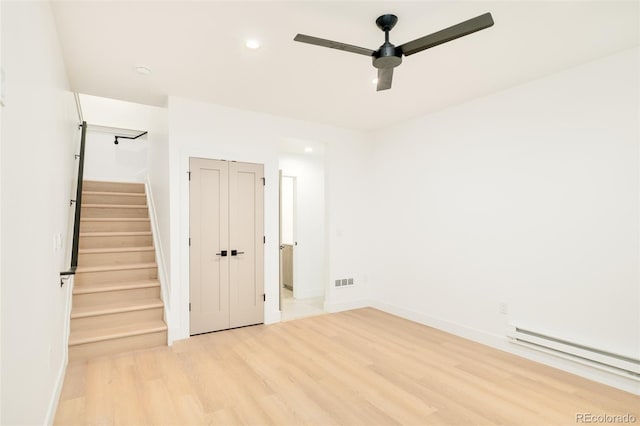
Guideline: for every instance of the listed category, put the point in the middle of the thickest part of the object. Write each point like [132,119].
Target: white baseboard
[345,306]
[57,391]
[503,343]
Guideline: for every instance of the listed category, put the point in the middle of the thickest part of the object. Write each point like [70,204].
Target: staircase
[116,296]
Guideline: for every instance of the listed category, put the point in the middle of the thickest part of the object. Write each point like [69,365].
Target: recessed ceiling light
[374,81]
[252,44]
[308,149]
[141,69]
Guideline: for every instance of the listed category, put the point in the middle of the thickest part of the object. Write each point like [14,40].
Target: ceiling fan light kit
[389,56]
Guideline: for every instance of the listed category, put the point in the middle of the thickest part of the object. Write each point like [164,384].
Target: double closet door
[226,266]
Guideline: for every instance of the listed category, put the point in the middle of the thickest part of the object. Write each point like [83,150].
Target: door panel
[246,274]
[209,233]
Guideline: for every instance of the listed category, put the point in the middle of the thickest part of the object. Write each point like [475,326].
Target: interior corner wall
[198,129]
[39,140]
[350,222]
[527,198]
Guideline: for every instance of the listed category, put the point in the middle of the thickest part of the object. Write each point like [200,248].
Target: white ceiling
[196,50]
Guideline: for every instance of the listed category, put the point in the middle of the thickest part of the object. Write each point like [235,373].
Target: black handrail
[78,201]
[128,137]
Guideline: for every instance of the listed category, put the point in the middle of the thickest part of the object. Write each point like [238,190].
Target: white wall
[108,112]
[128,161]
[1,105]
[204,130]
[527,197]
[39,140]
[287,204]
[309,264]
[159,187]
[350,221]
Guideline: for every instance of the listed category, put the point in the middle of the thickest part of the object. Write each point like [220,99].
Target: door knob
[236,252]
[222,253]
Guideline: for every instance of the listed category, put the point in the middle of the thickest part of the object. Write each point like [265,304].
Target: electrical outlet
[338,283]
[503,308]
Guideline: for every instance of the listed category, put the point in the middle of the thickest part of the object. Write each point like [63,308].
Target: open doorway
[302,235]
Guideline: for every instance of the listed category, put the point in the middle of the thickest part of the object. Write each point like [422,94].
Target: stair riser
[87,278]
[114,346]
[114,212]
[98,299]
[115,320]
[112,187]
[120,258]
[116,241]
[133,199]
[115,226]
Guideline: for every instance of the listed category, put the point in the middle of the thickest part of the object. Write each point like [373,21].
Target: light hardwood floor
[358,367]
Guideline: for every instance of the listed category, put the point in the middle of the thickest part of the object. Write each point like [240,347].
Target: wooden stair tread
[115,250]
[126,194]
[116,206]
[137,185]
[119,267]
[115,219]
[116,307]
[114,234]
[114,286]
[90,336]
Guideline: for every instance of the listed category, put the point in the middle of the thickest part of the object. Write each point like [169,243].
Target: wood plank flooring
[361,367]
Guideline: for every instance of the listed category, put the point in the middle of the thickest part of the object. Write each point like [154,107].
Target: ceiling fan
[388,56]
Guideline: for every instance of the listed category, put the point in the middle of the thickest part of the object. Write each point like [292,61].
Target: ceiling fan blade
[456,31]
[385,75]
[333,44]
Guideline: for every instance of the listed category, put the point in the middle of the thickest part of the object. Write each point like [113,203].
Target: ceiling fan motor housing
[388,56]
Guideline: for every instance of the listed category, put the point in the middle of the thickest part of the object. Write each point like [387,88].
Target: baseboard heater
[624,365]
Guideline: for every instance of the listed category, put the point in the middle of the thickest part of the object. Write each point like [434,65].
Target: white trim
[57,390]
[162,271]
[503,343]
[76,97]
